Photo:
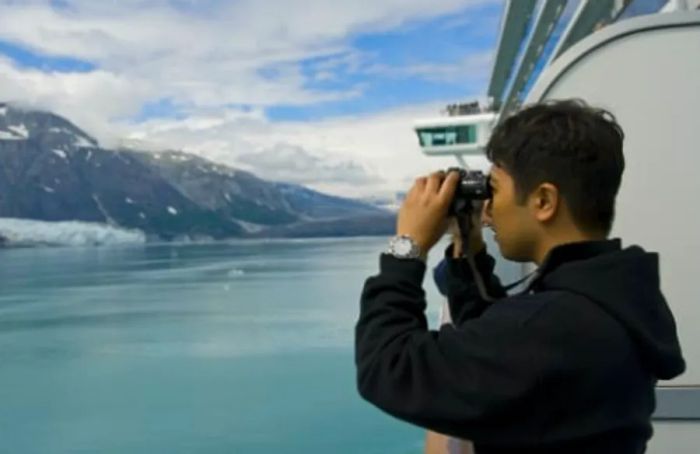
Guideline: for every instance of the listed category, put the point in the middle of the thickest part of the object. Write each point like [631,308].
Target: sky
[317,92]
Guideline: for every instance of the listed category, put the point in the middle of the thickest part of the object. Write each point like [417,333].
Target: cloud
[468,70]
[88,99]
[216,54]
[219,65]
[294,164]
[362,155]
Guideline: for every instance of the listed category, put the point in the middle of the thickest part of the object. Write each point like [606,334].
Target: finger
[449,186]
[434,182]
[418,187]
[453,225]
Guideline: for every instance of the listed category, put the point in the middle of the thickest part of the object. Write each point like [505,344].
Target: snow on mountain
[14,132]
[19,130]
[24,232]
[43,127]
[60,153]
[82,142]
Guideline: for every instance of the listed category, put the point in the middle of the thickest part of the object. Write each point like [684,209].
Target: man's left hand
[423,214]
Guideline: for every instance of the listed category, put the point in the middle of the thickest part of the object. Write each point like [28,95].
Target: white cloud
[205,56]
[469,70]
[212,57]
[294,164]
[353,155]
[88,99]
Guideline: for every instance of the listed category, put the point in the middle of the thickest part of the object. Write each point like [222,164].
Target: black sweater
[568,366]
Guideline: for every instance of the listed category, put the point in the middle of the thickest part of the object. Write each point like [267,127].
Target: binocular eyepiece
[473,185]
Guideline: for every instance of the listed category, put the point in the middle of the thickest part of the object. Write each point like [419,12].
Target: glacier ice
[27,232]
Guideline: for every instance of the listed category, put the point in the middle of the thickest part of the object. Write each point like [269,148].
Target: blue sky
[383,69]
[438,42]
[27,58]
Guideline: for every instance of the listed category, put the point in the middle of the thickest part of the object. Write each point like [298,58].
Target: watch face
[403,246]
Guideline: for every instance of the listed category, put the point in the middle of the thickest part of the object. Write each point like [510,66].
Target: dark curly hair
[575,147]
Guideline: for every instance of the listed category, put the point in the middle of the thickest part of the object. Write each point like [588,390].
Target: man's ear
[545,202]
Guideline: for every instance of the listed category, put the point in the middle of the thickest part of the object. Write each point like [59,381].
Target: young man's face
[513,224]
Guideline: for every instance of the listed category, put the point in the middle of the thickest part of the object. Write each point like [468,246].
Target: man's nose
[486,218]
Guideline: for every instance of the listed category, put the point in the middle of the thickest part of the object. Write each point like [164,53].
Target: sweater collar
[570,252]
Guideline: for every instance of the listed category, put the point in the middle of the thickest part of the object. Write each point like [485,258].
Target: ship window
[448,135]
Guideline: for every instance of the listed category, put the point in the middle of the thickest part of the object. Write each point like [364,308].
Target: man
[567,366]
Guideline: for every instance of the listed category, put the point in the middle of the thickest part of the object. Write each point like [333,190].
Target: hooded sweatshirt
[569,365]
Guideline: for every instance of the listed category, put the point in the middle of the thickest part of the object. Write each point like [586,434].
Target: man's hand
[423,214]
[475,239]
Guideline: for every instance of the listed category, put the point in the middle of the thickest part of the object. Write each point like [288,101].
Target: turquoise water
[180,348]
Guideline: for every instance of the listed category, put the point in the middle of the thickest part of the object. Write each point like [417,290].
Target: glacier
[28,232]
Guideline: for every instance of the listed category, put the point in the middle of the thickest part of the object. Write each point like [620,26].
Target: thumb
[449,186]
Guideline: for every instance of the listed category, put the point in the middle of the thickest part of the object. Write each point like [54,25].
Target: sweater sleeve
[469,381]
[455,279]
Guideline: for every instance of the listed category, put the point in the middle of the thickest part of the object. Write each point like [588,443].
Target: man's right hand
[475,240]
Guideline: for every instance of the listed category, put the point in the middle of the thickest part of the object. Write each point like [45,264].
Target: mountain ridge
[51,170]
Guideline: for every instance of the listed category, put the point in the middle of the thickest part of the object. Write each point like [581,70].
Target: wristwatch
[404,247]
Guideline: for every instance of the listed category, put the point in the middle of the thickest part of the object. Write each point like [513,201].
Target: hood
[624,283]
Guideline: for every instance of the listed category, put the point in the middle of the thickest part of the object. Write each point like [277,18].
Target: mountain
[51,170]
